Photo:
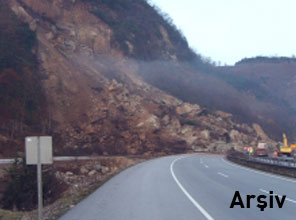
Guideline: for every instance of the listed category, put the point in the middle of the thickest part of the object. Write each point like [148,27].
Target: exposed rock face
[98,104]
[260,132]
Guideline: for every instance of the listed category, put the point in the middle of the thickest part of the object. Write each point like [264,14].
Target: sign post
[38,152]
[39,181]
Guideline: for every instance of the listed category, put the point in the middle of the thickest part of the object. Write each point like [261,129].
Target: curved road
[189,187]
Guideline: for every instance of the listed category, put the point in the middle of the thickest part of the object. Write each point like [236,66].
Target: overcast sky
[229,30]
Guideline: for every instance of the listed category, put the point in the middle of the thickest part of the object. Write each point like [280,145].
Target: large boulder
[187,108]
[223,114]
[234,135]
[205,134]
[151,122]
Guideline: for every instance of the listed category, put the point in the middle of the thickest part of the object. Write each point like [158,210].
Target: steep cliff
[88,57]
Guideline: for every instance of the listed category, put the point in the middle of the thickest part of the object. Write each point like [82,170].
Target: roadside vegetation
[20,192]
[60,196]
[22,100]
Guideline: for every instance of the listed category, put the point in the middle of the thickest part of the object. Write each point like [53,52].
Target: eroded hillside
[96,102]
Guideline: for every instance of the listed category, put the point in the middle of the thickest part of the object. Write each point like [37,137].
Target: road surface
[189,187]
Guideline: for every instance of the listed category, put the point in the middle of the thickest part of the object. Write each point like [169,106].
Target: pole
[39,180]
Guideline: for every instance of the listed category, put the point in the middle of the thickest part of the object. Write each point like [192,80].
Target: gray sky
[229,30]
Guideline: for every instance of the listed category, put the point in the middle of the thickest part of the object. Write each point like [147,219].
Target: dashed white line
[291,200]
[206,166]
[259,172]
[288,199]
[222,174]
[265,191]
[195,203]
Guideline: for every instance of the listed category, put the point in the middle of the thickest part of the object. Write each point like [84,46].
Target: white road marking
[206,166]
[288,199]
[201,161]
[291,200]
[195,203]
[259,172]
[265,191]
[222,174]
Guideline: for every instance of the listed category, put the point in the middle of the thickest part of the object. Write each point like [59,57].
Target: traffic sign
[38,152]
[45,150]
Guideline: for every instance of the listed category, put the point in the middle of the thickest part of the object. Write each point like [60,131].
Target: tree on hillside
[21,186]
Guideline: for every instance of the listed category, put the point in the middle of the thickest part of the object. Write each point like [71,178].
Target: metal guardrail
[282,166]
[58,158]
[280,162]
[289,163]
[7,161]
[78,158]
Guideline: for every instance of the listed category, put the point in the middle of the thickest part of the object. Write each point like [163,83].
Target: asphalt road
[190,187]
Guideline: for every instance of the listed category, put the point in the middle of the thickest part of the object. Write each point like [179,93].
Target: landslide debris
[96,101]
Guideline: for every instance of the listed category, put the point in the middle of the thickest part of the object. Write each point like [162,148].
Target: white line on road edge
[290,200]
[222,174]
[259,172]
[201,209]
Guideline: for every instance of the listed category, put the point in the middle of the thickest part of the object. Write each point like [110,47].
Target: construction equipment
[287,150]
